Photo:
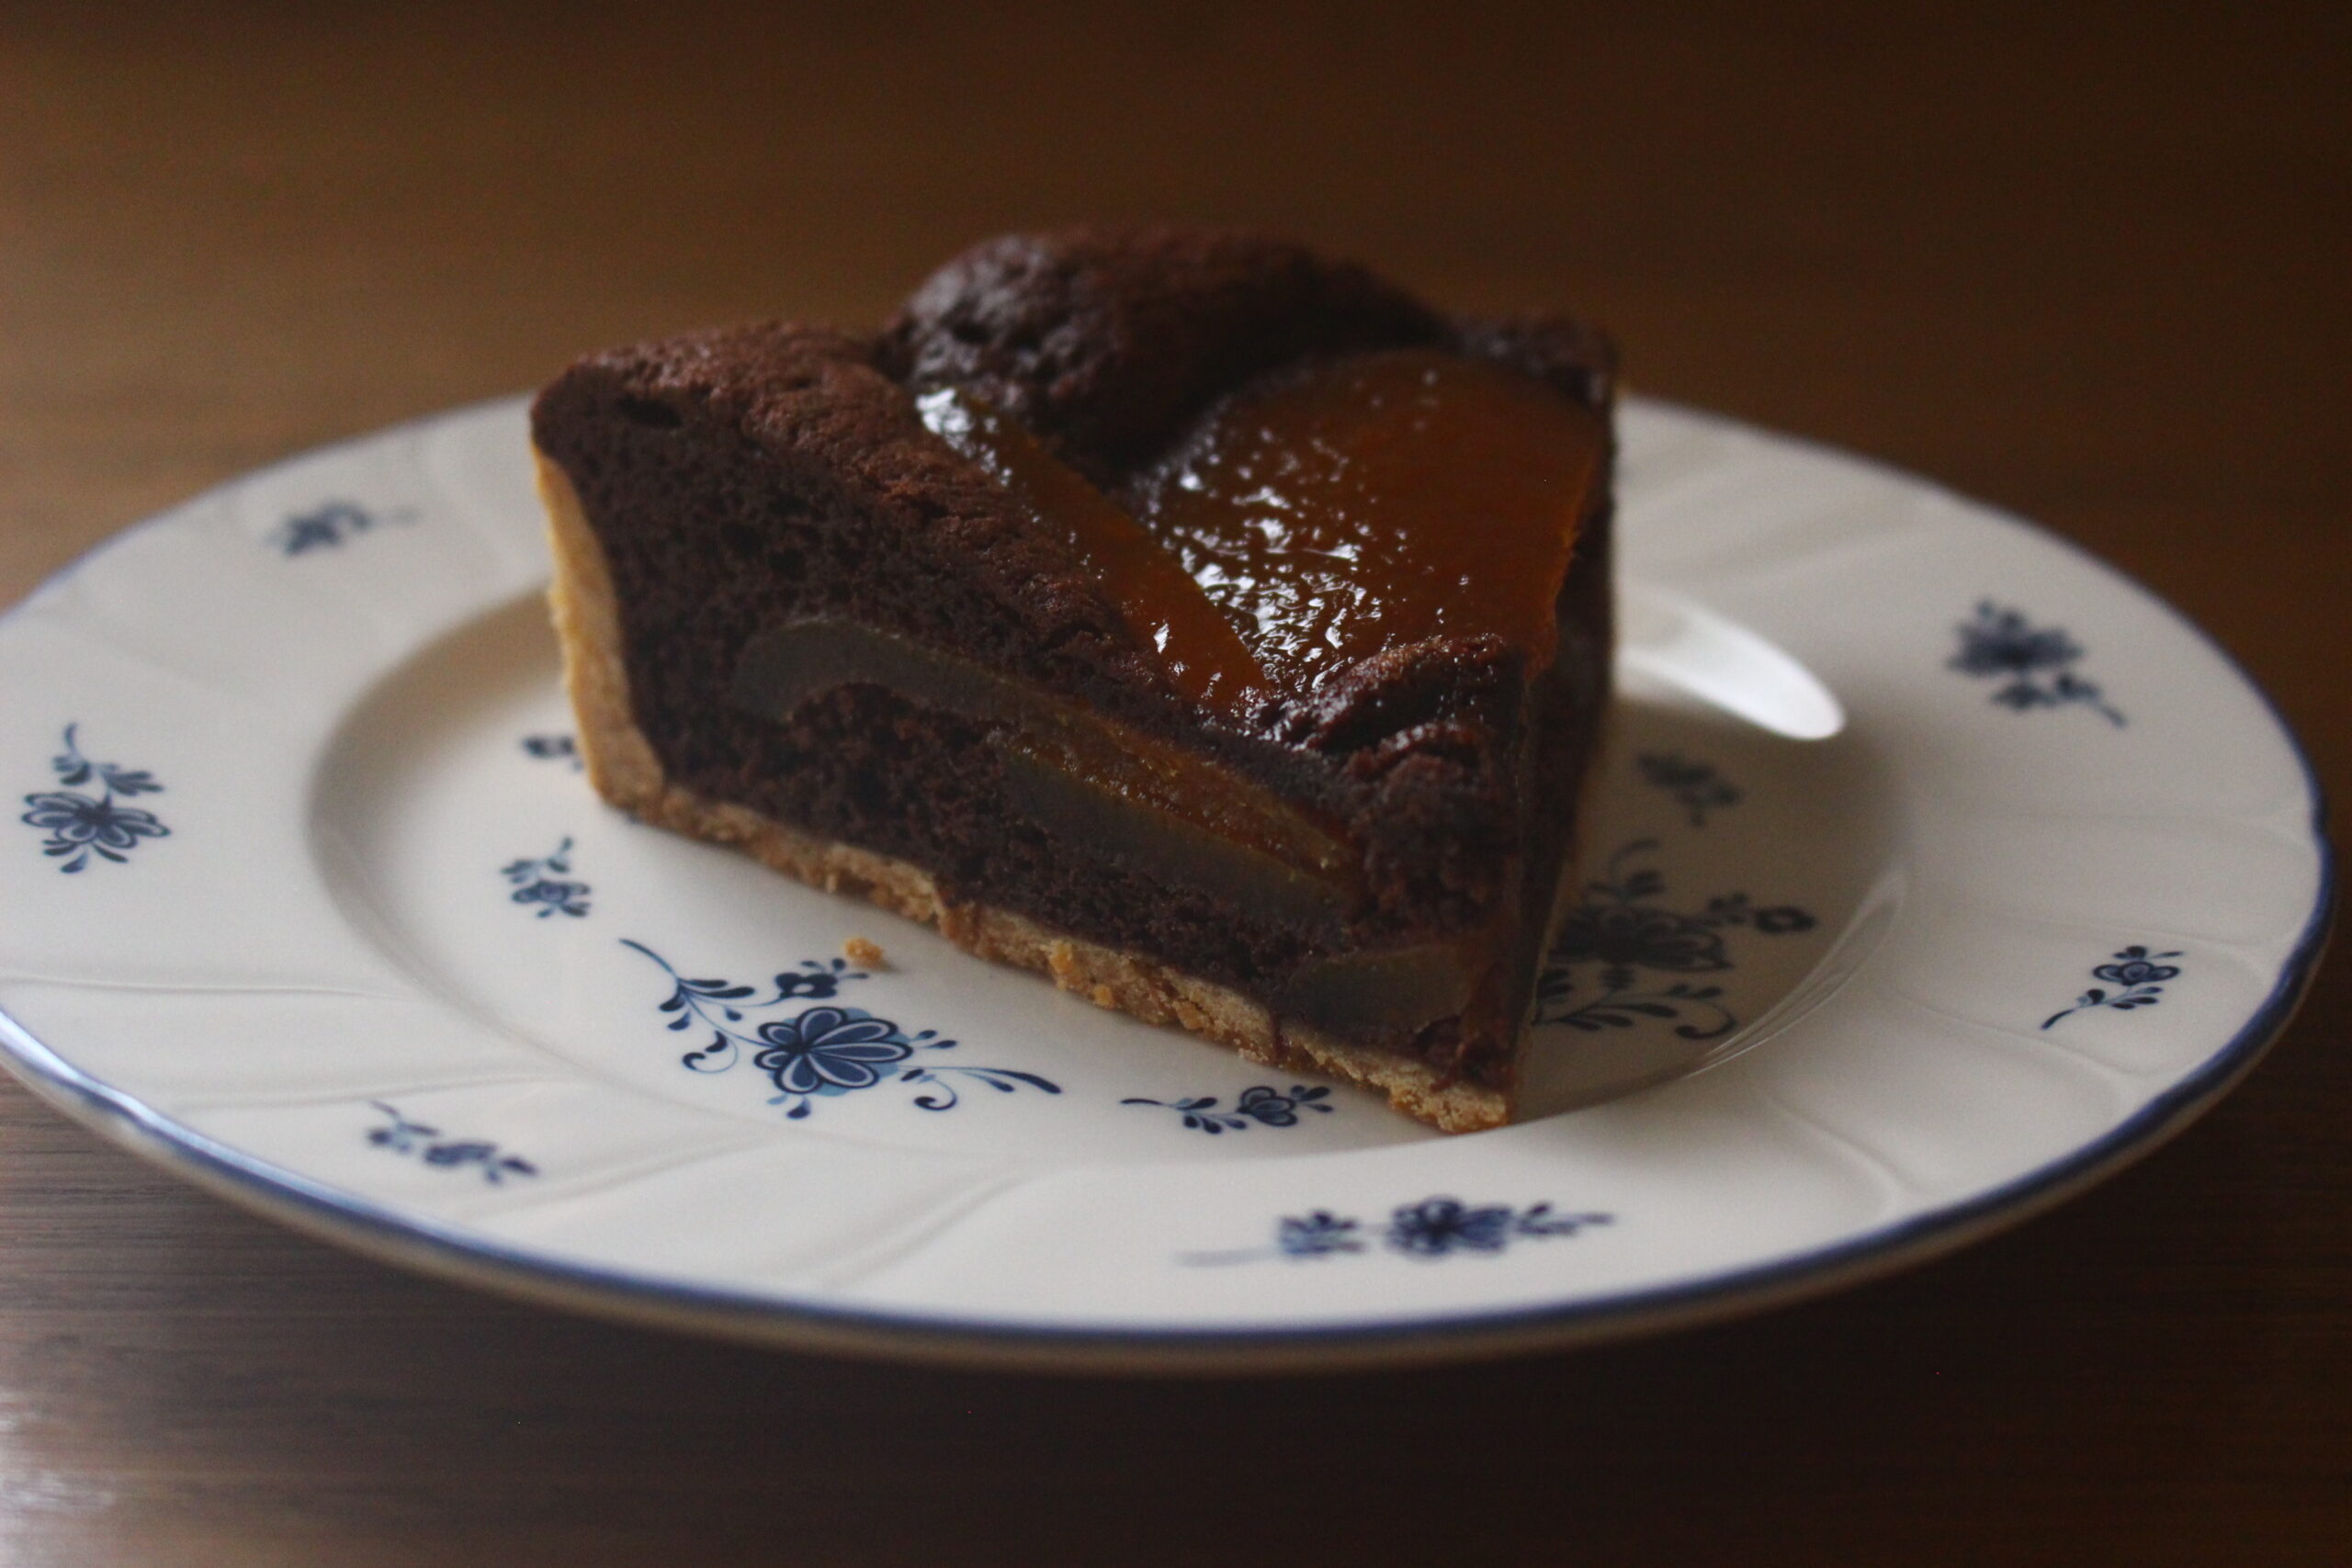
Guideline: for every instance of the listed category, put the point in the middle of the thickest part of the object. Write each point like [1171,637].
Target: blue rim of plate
[445,1251]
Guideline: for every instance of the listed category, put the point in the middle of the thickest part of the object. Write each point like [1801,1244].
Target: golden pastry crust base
[622,766]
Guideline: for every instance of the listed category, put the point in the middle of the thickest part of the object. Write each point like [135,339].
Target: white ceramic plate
[307,898]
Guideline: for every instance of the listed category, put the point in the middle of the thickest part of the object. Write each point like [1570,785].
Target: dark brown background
[2091,267]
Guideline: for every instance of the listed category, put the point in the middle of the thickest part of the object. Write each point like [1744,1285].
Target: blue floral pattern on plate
[1619,931]
[79,824]
[1433,1228]
[328,525]
[553,749]
[1699,786]
[822,1052]
[2034,664]
[1260,1105]
[401,1137]
[2139,972]
[546,883]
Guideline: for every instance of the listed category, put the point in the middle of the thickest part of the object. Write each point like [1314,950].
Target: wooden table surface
[2089,267]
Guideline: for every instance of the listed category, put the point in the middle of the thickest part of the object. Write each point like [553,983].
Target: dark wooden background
[2088,265]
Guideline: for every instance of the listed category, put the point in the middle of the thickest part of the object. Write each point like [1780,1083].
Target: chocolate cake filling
[1074,771]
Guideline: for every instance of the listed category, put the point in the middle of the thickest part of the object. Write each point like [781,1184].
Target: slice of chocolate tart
[1213,627]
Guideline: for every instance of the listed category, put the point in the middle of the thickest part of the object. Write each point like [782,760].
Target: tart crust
[623,767]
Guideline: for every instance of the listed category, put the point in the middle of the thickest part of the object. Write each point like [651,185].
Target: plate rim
[452,1251]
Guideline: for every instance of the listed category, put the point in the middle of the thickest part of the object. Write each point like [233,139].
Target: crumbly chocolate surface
[737,479]
[1103,342]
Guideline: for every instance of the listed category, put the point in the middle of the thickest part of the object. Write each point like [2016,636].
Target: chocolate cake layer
[912,596]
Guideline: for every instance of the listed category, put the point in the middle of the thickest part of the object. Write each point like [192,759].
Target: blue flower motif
[1618,929]
[1697,785]
[821,1052]
[2001,642]
[328,526]
[403,1137]
[1317,1235]
[79,826]
[1432,1228]
[1270,1106]
[2133,967]
[1262,1103]
[1628,934]
[543,884]
[1436,1226]
[829,1050]
[815,981]
[2001,645]
[554,897]
[2141,975]
[554,748]
[1783,919]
